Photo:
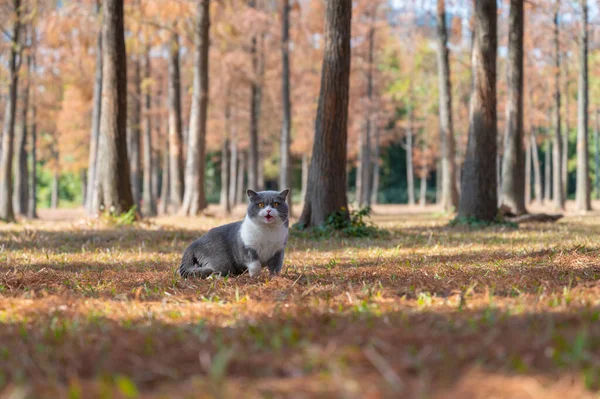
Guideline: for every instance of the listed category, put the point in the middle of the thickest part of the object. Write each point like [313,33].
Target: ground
[89,309]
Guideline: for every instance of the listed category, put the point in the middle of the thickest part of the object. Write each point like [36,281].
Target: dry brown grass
[432,312]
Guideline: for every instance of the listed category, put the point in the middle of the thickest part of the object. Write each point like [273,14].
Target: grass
[428,311]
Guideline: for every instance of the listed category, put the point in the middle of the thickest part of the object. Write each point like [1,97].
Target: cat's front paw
[254,268]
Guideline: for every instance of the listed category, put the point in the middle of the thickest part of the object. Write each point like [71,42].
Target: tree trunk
[255,103]
[513,182]
[8,131]
[359,173]
[32,206]
[597,153]
[479,197]
[225,172]
[135,160]
[423,190]
[285,167]
[375,187]
[166,181]
[21,189]
[149,200]
[194,200]
[558,192]
[326,191]
[175,125]
[365,152]
[240,177]
[114,175]
[54,192]
[583,198]
[95,132]
[565,144]
[537,170]
[548,172]
[305,169]
[449,191]
[528,173]
[233,169]
[410,174]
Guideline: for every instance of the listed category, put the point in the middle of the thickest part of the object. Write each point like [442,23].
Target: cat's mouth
[269,218]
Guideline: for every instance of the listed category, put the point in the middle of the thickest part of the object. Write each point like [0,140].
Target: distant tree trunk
[305,169]
[8,131]
[233,169]
[55,186]
[166,181]
[135,160]
[558,192]
[583,198]
[114,174]
[225,172]
[449,191]
[175,125]
[528,173]
[423,190]
[255,102]
[194,200]
[410,174]
[260,181]
[326,191]
[597,153]
[537,171]
[242,166]
[149,203]
[365,151]
[565,144]
[548,172]
[285,167]
[513,182]
[95,132]
[32,206]
[20,195]
[359,173]
[376,155]
[479,198]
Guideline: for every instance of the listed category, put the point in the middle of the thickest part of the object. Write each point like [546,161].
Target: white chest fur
[265,240]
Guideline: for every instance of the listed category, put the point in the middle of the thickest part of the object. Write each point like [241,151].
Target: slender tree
[255,102]
[134,132]
[32,206]
[92,185]
[449,191]
[326,192]
[225,162]
[233,168]
[175,125]
[597,152]
[513,182]
[537,172]
[548,171]
[194,200]
[8,131]
[583,198]
[410,174]
[479,192]
[114,175]
[557,155]
[149,200]
[285,172]
[376,155]
[166,181]
[21,189]
[565,144]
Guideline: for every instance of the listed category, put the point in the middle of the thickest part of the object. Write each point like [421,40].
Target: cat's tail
[190,267]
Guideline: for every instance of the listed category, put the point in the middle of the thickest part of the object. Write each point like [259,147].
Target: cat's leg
[253,264]
[276,263]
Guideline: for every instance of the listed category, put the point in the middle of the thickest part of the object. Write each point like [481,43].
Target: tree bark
[21,189]
[479,192]
[528,173]
[8,131]
[449,191]
[255,103]
[326,191]
[537,170]
[166,181]
[114,175]
[175,124]
[285,167]
[225,172]
[54,192]
[583,197]
[423,191]
[242,166]
[233,169]
[375,187]
[32,206]
[135,122]
[597,153]
[557,156]
[513,182]
[548,172]
[565,144]
[194,200]
[410,174]
[365,151]
[149,200]
[305,169]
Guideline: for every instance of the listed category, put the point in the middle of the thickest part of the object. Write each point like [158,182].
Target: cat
[248,245]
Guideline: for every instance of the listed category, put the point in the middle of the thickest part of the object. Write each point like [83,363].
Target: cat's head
[268,207]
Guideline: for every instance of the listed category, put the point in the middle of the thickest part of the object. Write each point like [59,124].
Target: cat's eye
[275,204]
[261,204]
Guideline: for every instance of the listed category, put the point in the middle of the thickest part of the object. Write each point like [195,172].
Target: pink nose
[268,212]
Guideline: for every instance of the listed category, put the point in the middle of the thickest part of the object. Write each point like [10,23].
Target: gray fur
[229,249]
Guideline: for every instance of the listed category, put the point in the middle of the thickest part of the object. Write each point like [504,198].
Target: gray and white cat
[258,240]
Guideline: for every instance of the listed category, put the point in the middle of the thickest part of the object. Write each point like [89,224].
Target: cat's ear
[285,193]
[251,193]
